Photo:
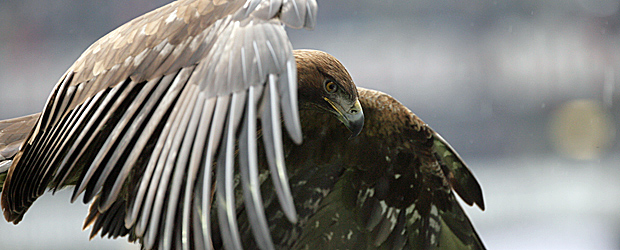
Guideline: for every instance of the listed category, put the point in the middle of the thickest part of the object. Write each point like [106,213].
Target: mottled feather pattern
[435,207]
[457,173]
[390,191]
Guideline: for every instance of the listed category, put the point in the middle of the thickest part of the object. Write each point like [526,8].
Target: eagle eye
[330,86]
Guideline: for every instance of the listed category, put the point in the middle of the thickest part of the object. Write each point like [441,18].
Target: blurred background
[527,91]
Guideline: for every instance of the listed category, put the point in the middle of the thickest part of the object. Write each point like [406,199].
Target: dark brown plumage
[390,187]
[179,111]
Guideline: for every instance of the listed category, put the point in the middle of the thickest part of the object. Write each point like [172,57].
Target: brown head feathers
[314,68]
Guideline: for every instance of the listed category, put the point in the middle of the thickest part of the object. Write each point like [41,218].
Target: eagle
[172,128]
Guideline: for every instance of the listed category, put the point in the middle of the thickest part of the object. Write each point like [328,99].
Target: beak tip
[353,118]
[356,119]
[356,126]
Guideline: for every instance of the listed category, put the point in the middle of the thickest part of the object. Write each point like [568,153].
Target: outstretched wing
[142,116]
[391,187]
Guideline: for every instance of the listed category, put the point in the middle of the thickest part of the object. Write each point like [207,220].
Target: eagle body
[387,188]
[196,126]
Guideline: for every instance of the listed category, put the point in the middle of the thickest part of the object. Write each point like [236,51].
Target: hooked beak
[352,117]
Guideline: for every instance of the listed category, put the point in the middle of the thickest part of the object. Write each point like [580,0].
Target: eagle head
[325,84]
